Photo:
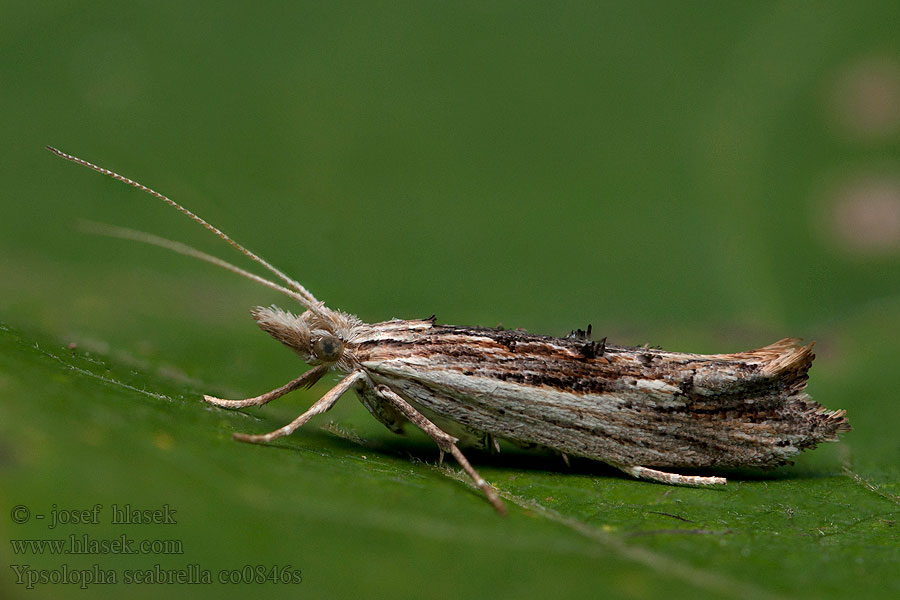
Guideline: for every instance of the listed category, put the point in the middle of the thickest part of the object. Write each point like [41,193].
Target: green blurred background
[704,177]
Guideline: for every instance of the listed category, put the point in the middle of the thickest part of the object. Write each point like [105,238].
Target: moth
[643,410]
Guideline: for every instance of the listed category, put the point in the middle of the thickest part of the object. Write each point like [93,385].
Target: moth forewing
[630,407]
[634,408]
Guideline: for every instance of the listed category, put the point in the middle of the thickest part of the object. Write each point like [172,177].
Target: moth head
[318,339]
[327,348]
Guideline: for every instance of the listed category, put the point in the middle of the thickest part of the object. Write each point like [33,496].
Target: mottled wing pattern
[632,406]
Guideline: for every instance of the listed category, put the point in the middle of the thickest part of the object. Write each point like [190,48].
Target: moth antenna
[302,291]
[148,238]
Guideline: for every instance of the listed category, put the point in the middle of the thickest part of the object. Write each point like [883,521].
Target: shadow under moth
[643,410]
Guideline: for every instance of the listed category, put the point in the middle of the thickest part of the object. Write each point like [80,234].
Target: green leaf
[83,430]
[705,180]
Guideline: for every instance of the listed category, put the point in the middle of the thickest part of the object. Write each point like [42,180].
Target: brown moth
[633,408]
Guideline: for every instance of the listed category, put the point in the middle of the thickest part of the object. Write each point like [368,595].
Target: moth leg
[323,404]
[670,478]
[445,441]
[383,411]
[307,379]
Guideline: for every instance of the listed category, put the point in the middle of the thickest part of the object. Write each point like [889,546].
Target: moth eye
[328,348]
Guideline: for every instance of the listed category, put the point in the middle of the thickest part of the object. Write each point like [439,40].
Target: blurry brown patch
[866,98]
[163,440]
[865,216]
